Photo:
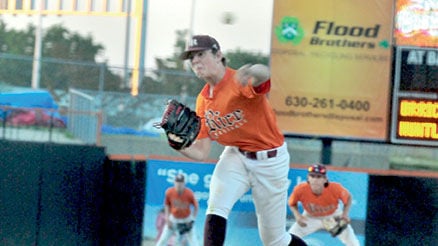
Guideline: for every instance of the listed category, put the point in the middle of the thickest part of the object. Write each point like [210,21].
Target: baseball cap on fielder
[179,178]
[318,169]
[199,43]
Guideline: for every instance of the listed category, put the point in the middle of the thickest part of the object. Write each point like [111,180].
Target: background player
[235,112]
[178,204]
[320,199]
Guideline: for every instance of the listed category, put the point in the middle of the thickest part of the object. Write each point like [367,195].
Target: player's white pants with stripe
[235,174]
[314,224]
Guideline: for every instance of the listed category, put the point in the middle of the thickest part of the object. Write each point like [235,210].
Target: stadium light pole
[140,46]
[192,20]
[127,40]
[36,68]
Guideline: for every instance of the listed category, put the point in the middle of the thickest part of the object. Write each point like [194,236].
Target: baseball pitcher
[234,111]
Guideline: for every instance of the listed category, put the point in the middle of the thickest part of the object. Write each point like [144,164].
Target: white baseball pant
[235,174]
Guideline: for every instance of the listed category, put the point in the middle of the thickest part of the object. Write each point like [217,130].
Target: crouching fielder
[320,200]
[179,215]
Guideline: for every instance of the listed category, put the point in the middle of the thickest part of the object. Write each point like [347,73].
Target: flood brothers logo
[331,34]
[289,30]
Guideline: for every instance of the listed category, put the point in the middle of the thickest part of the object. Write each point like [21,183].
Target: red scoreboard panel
[415,96]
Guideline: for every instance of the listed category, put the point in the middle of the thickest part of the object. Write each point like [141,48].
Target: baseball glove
[184,227]
[334,225]
[180,123]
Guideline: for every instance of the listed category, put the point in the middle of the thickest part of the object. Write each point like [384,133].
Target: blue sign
[242,221]
[161,173]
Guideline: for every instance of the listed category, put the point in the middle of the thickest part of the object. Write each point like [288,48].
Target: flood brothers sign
[331,67]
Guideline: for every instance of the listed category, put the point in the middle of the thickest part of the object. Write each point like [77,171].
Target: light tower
[136,9]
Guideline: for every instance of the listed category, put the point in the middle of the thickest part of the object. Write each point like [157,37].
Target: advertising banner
[331,67]
[242,222]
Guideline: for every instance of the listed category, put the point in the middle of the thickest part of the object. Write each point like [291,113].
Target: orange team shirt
[322,205]
[180,204]
[237,115]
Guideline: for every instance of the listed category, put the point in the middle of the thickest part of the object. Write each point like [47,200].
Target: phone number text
[327,103]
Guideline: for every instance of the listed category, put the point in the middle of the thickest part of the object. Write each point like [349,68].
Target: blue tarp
[26,108]
[28,99]
[43,99]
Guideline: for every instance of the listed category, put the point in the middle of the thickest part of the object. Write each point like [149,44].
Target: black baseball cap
[318,169]
[179,178]
[199,43]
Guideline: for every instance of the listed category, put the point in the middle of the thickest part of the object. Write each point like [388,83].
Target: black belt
[253,155]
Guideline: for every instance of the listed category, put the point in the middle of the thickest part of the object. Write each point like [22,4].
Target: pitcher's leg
[214,230]
[228,183]
[269,185]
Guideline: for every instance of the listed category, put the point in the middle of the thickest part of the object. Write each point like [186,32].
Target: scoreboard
[415,96]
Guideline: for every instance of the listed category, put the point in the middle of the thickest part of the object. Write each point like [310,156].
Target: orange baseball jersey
[322,205]
[230,118]
[180,204]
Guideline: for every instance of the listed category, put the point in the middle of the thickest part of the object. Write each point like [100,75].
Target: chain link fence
[93,102]
[81,98]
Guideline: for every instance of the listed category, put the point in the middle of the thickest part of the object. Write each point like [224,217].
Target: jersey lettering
[180,204]
[219,125]
[318,209]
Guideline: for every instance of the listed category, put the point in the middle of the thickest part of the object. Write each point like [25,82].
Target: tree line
[68,60]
